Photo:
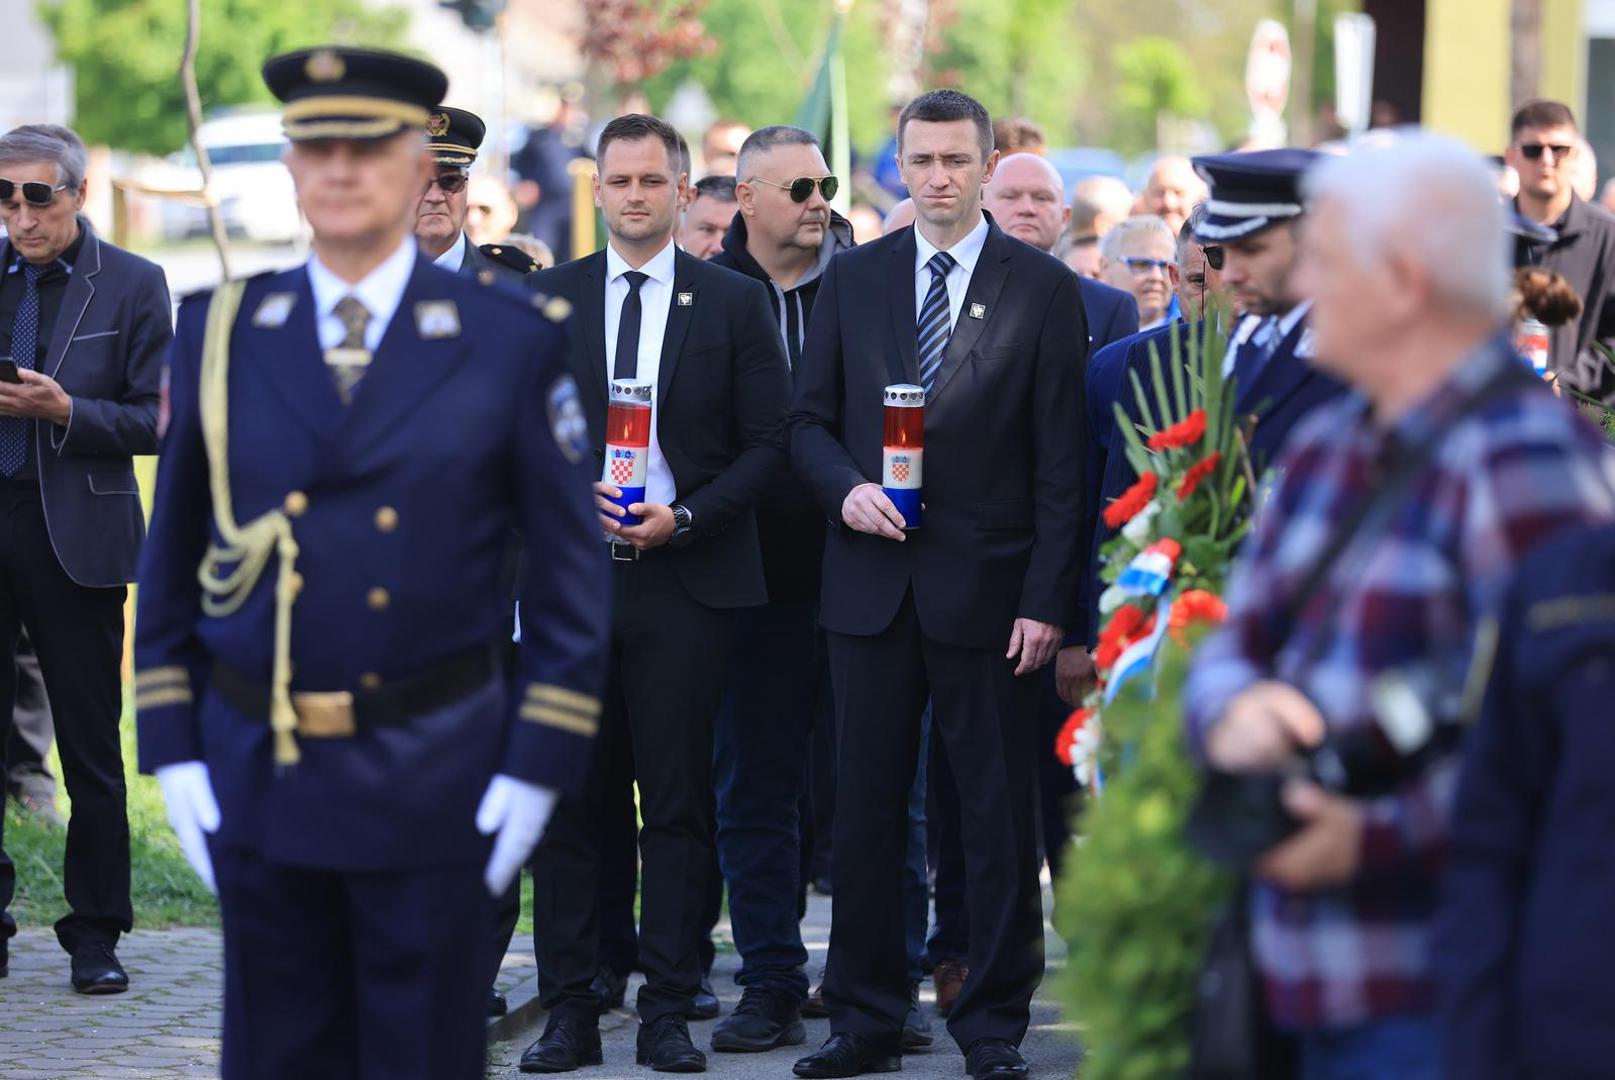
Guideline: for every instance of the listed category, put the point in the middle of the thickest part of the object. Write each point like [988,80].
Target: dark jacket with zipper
[1584,252]
[790,525]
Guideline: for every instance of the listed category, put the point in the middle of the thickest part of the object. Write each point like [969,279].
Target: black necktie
[627,363]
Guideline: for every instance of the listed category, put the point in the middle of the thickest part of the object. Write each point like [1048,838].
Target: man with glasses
[784,236]
[1139,256]
[453,136]
[83,326]
[1544,150]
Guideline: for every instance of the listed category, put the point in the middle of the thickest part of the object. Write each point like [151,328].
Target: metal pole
[1302,105]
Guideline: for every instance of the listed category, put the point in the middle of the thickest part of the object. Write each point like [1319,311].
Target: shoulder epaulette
[513,257]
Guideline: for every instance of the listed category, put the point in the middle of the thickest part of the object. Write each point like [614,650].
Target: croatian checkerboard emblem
[900,471]
[978,311]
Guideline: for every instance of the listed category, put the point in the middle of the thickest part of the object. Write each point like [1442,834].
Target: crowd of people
[679,466]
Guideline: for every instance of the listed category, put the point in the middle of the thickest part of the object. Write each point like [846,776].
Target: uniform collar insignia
[1303,347]
[437,319]
[274,310]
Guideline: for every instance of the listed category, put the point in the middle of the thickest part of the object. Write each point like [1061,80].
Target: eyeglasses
[1533,150]
[35,192]
[801,188]
[452,183]
[1214,255]
[1141,267]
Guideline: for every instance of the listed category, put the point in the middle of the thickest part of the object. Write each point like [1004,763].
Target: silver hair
[47,142]
[1110,246]
[1435,200]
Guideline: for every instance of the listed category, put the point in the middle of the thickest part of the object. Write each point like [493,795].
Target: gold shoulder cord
[246,547]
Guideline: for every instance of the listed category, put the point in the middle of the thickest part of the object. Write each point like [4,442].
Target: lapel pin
[437,319]
[274,310]
[686,299]
[978,311]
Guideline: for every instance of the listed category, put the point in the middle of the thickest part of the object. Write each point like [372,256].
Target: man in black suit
[959,610]
[86,325]
[706,341]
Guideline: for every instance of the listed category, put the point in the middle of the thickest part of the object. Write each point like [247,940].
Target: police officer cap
[1251,192]
[453,135]
[340,92]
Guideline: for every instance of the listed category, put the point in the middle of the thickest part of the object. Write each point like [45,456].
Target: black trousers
[663,685]
[77,633]
[982,714]
[1057,795]
[352,975]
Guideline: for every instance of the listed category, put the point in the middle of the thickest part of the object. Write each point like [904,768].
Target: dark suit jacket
[106,351]
[1112,313]
[1003,442]
[721,393]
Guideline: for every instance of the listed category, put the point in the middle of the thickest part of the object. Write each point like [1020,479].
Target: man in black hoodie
[784,236]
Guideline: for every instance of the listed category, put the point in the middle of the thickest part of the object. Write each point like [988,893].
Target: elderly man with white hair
[1399,512]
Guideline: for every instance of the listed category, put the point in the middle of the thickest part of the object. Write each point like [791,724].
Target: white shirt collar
[965,252]
[1289,320]
[380,291]
[658,269]
[454,258]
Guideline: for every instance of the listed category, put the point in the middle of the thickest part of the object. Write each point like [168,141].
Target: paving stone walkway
[166,1026]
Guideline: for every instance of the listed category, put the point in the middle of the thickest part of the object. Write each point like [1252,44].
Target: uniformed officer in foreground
[453,136]
[321,702]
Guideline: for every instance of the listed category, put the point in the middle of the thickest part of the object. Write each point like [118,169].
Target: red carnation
[1185,432]
[1131,501]
[1068,734]
[1194,606]
[1198,472]
[1127,624]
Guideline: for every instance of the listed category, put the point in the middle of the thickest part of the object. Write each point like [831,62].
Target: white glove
[518,812]
[192,811]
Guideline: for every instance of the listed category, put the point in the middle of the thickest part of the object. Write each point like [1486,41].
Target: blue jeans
[916,886]
[760,757]
[1404,1047]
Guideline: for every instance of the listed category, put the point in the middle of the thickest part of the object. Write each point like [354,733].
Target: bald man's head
[1173,189]
[901,216]
[1097,204]
[1026,196]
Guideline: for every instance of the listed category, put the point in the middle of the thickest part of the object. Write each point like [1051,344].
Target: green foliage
[126,54]
[166,891]
[1136,904]
[1018,57]
[1156,79]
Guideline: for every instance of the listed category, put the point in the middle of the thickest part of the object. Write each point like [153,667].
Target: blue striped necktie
[24,343]
[935,324]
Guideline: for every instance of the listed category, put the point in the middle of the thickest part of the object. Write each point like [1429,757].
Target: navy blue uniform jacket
[405,504]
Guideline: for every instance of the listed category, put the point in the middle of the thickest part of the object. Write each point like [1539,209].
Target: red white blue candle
[628,443]
[903,456]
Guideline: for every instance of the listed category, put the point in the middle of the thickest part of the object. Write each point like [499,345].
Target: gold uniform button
[296,583]
[378,599]
[370,681]
[386,519]
[296,504]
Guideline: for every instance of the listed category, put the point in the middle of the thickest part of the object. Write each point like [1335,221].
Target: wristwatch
[683,526]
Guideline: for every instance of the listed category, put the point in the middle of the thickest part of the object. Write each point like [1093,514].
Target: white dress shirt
[655,300]
[454,258]
[381,291]
[965,254]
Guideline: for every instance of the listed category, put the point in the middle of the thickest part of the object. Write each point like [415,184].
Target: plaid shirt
[1406,594]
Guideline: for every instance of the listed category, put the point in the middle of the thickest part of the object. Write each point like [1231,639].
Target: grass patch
[166,891]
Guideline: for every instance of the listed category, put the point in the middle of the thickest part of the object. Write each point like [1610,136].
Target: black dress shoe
[764,1019]
[566,1044]
[995,1059]
[916,1027]
[497,1005]
[96,970]
[847,1055]
[704,1005]
[664,1044]
[611,987]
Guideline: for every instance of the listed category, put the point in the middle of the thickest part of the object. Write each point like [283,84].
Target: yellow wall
[1466,65]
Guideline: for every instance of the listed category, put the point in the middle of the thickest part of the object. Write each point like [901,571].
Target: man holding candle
[702,342]
[959,610]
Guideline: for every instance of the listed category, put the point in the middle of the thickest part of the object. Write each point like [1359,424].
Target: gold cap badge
[325,66]
[437,124]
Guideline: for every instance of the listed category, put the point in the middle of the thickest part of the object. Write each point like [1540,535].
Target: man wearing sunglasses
[83,325]
[1544,150]
[453,136]
[784,236]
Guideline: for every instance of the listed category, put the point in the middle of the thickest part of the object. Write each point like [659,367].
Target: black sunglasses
[35,192]
[1214,255]
[452,183]
[801,188]
[1533,150]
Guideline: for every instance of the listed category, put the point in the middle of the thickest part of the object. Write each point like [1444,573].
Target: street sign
[1267,69]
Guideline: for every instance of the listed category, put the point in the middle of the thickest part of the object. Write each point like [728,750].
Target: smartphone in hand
[8,371]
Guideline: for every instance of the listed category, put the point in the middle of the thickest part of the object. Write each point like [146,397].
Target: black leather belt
[621,552]
[340,713]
